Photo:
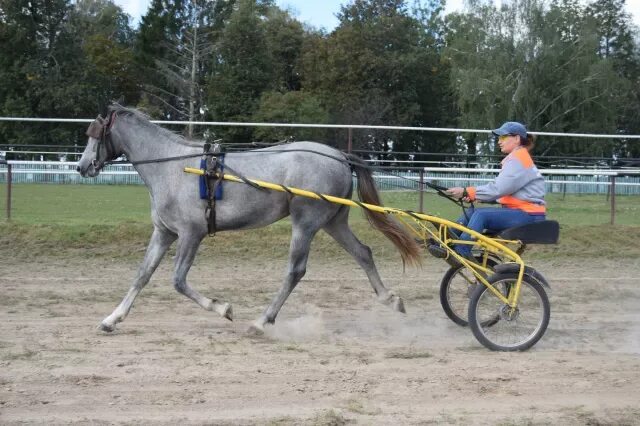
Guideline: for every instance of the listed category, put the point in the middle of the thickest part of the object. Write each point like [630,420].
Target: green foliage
[543,66]
[380,66]
[290,107]
[557,65]
[284,37]
[176,48]
[615,33]
[242,72]
[66,61]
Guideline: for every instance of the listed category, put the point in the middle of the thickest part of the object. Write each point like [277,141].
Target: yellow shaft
[372,207]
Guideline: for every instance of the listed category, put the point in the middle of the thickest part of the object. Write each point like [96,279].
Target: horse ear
[107,107]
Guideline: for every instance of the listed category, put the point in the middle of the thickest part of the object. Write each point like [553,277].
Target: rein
[440,190]
[100,129]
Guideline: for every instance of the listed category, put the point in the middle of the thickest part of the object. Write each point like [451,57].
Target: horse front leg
[185,254]
[158,245]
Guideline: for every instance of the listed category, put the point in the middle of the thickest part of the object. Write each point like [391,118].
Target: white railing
[572,181]
[591,181]
[65,172]
[326,126]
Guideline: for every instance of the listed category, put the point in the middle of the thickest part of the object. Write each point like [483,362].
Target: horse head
[100,148]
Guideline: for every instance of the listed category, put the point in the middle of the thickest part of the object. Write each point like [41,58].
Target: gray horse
[178,213]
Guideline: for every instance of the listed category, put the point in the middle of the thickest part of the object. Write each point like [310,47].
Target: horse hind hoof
[106,327]
[394,301]
[227,312]
[255,330]
[398,305]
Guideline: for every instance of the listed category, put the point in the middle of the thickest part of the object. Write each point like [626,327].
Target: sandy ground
[335,355]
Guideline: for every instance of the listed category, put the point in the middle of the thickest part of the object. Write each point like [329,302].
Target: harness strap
[213,176]
[212,170]
[217,193]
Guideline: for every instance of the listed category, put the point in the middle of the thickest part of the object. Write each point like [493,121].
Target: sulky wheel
[456,287]
[516,329]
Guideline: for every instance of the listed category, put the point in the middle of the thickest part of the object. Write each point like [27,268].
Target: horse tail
[368,193]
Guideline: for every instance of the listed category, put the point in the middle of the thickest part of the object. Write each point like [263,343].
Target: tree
[61,61]
[290,107]
[28,39]
[571,87]
[380,66]
[102,31]
[284,39]
[175,47]
[538,65]
[242,71]
[616,43]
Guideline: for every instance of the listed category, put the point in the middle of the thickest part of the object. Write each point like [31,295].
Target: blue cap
[511,128]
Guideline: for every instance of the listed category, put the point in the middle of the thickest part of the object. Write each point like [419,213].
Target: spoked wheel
[515,329]
[456,288]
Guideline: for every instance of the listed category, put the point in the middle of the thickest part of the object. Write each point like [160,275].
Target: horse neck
[141,142]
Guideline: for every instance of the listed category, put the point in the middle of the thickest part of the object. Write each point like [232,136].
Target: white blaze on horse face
[85,165]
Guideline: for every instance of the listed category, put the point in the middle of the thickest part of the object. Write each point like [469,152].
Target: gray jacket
[519,184]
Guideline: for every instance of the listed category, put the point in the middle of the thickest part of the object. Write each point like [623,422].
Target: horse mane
[145,120]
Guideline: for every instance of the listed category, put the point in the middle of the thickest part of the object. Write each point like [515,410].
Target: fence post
[421,189]
[612,191]
[8,188]
[350,141]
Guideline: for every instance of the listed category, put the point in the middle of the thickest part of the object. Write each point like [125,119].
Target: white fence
[64,172]
[581,181]
[571,181]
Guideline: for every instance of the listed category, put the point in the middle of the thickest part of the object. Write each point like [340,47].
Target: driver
[519,188]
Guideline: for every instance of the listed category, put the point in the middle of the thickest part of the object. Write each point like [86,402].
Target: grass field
[115,204]
[74,216]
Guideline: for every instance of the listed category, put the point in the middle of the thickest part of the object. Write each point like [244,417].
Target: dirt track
[335,355]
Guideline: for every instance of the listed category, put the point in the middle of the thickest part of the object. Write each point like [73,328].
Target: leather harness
[99,129]
[213,178]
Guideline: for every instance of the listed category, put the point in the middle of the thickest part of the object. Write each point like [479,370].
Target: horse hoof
[227,312]
[255,330]
[106,327]
[398,305]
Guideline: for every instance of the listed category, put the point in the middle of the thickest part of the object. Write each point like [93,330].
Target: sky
[322,13]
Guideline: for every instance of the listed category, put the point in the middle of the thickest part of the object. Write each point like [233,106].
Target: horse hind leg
[185,255]
[158,245]
[339,229]
[298,256]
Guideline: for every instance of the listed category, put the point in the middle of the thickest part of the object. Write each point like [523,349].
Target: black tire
[455,291]
[532,316]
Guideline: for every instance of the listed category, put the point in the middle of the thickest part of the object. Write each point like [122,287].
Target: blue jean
[491,219]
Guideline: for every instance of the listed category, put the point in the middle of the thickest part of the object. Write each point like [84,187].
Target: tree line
[556,65]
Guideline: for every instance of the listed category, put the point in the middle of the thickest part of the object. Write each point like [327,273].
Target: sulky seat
[543,232]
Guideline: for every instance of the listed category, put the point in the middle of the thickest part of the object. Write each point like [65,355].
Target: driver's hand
[458,192]
[455,192]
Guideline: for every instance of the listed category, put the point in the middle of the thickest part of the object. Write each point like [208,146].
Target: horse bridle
[100,129]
